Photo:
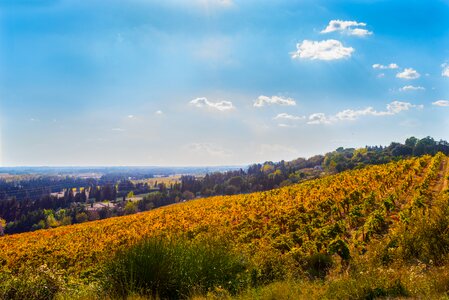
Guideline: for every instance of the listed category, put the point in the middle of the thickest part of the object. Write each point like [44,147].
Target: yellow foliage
[288,222]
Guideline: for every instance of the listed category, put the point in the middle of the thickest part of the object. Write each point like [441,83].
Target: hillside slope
[338,214]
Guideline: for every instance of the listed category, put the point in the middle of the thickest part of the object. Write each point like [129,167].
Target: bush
[317,265]
[424,238]
[37,284]
[173,269]
[366,287]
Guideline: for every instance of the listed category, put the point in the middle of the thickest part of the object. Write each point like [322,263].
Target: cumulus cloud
[441,103]
[347,27]
[445,72]
[407,88]
[285,116]
[392,108]
[202,102]
[319,118]
[408,73]
[322,50]
[277,100]
[384,67]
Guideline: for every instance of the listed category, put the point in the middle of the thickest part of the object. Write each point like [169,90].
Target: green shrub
[38,284]
[366,287]
[317,265]
[425,238]
[173,269]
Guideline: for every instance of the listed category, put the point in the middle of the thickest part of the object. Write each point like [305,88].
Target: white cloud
[158,112]
[408,73]
[118,129]
[407,88]
[350,114]
[442,103]
[396,107]
[283,125]
[130,116]
[445,72]
[322,50]
[285,116]
[319,118]
[278,100]
[360,32]
[393,108]
[202,102]
[347,27]
[208,149]
[383,67]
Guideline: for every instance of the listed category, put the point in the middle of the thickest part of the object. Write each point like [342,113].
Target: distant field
[168,180]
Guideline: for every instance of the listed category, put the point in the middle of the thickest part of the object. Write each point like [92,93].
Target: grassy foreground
[382,231]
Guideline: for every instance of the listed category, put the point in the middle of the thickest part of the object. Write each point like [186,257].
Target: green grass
[173,269]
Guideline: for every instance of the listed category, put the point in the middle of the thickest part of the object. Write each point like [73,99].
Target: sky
[217,82]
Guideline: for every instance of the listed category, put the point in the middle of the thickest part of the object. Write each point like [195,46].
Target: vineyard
[339,215]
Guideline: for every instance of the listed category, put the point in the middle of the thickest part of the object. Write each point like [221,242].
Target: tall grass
[173,269]
[39,284]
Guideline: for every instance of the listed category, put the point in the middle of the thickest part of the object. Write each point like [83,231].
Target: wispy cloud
[273,100]
[445,71]
[159,112]
[384,67]
[407,88]
[322,50]
[441,103]
[283,125]
[319,118]
[347,27]
[392,108]
[285,116]
[222,106]
[408,73]
[209,149]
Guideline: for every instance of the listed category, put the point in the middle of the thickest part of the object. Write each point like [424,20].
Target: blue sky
[217,82]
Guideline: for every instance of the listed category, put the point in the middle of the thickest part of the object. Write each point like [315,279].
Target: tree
[426,145]
[2,226]
[130,208]
[81,217]
[188,195]
[411,141]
